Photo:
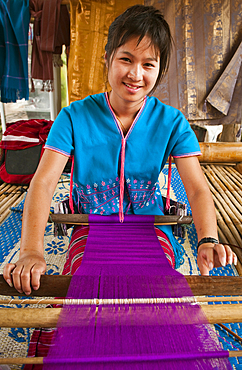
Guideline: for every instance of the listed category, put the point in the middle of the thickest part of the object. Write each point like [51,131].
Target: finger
[232,257]
[205,260]
[7,273]
[36,272]
[25,280]
[230,254]
[204,269]
[235,259]
[16,273]
[222,253]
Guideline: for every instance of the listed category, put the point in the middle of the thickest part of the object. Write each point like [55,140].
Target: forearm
[38,201]
[35,216]
[203,213]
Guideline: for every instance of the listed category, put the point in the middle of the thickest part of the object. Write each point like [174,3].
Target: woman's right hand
[26,272]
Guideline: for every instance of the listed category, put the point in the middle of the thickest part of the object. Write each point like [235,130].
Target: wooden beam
[48,317]
[57,286]
[82,219]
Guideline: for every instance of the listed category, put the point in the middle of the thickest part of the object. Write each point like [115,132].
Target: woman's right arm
[26,272]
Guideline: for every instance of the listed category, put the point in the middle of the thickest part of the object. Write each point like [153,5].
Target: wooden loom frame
[200,285]
[58,286]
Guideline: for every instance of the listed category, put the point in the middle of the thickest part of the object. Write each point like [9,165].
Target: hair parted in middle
[140,21]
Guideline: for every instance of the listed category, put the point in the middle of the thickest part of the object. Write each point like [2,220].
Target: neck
[125,111]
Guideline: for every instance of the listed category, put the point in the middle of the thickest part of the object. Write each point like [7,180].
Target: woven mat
[14,342]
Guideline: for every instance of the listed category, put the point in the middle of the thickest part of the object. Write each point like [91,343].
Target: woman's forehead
[135,45]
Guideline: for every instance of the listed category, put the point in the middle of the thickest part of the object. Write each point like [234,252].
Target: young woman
[120,142]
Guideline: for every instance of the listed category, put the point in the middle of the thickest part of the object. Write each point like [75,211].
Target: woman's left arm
[203,212]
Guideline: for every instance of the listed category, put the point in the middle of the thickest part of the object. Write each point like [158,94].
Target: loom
[38,317]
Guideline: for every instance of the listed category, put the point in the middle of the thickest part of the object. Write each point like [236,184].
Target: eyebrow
[130,54]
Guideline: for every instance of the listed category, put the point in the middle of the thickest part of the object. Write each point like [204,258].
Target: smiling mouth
[132,87]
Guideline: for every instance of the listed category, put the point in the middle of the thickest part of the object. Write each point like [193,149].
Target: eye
[125,59]
[149,65]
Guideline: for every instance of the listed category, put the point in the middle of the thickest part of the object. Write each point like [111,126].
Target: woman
[120,141]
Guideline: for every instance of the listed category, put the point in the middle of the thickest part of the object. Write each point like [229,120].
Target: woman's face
[133,71]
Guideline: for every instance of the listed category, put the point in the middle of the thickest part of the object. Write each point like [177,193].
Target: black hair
[141,21]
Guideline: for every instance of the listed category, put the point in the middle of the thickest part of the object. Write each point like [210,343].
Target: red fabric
[33,129]
[41,338]
[22,135]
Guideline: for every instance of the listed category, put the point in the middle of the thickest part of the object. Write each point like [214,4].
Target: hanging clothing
[14,25]
[89,130]
[51,31]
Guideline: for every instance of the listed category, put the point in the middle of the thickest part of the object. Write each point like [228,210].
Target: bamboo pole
[40,360]
[48,317]
[4,188]
[221,152]
[229,230]
[8,211]
[231,186]
[233,181]
[229,223]
[8,203]
[222,189]
[225,229]
[223,196]
[238,167]
[221,236]
[234,175]
[6,193]
[57,286]
[228,182]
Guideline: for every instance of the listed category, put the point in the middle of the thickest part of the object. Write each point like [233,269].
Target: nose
[135,72]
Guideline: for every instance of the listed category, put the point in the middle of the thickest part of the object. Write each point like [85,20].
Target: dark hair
[141,21]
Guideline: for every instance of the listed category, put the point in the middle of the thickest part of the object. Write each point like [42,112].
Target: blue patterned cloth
[14,25]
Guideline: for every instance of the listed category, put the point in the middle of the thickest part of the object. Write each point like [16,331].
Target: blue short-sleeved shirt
[89,130]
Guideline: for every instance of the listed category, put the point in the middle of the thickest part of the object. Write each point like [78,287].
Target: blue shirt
[89,130]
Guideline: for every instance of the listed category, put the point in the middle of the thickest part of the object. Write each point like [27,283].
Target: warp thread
[125,260]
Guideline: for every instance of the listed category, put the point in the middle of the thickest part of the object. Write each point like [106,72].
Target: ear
[106,59]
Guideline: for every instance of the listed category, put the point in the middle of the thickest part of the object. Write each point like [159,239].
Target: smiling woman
[132,74]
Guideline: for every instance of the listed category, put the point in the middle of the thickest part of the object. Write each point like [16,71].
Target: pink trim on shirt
[57,150]
[194,154]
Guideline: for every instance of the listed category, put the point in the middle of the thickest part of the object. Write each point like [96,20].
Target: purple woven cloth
[126,261]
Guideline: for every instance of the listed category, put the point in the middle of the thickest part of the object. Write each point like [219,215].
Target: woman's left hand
[214,255]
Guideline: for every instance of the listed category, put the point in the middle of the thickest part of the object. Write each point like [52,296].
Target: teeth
[132,87]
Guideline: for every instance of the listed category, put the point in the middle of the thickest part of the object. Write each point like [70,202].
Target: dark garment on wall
[14,26]
[51,31]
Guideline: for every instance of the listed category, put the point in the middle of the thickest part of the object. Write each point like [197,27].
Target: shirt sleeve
[60,138]
[186,143]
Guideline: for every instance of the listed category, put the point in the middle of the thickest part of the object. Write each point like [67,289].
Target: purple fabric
[142,336]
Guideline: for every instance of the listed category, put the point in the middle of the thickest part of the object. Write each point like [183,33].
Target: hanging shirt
[14,26]
[88,130]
